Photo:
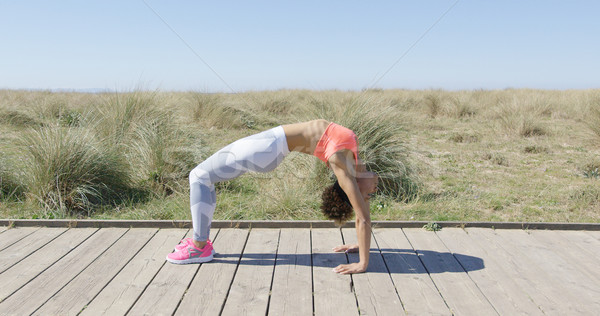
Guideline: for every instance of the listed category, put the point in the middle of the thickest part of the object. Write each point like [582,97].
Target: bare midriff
[303,137]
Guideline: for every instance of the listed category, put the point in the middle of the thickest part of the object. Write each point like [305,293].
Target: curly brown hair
[336,205]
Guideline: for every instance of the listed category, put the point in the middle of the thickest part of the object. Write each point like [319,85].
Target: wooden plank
[594,234]
[27,299]
[13,235]
[2,229]
[543,287]
[583,294]
[28,245]
[71,299]
[458,290]
[18,275]
[292,280]
[495,277]
[584,241]
[249,292]
[122,292]
[375,291]
[579,258]
[333,293]
[208,291]
[164,293]
[417,291]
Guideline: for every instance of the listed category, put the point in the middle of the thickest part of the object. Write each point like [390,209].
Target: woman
[335,145]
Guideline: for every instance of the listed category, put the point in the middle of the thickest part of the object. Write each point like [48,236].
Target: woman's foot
[184,242]
[191,254]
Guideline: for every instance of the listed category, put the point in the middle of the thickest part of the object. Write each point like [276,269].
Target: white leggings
[261,152]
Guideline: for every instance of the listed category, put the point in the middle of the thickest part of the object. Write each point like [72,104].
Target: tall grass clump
[69,171]
[10,187]
[65,109]
[160,155]
[148,136]
[18,118]
[115,120]
[276,106]
[213,110]
[378,127]
[433,103]
[208,111]
[520,119]
[462,108]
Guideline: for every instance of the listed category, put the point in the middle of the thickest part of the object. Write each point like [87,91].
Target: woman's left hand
[346,248]
[350,268]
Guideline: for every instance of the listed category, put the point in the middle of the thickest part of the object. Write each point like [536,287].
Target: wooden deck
[472,271]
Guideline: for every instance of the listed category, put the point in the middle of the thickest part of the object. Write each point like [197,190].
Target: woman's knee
[199,175]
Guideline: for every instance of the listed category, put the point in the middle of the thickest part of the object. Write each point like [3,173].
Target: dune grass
[379,129]
[503,155]
[68,173]
[11,189]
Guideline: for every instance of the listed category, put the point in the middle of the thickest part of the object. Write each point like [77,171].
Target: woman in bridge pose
[334,144]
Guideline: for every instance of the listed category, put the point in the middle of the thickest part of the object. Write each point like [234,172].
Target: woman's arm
[343,167]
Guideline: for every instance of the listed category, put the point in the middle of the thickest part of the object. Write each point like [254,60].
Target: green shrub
[590,169]
[70,118]
[591,173]
[432,227]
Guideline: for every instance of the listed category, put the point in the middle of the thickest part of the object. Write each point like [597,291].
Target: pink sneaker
[191,254]
[183,243]
[187,241]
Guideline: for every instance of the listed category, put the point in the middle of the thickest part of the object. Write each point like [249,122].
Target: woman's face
[367,184]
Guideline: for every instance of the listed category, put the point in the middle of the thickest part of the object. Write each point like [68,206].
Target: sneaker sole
[192,260]
[213,252]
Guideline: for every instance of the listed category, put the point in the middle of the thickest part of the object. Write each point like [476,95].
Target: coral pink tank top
[335,138]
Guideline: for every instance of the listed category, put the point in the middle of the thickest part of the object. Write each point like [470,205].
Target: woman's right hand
[346,248]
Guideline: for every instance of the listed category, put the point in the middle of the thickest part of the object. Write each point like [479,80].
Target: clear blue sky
[235,46]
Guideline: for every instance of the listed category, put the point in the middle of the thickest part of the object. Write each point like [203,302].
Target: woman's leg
[203,200]
[261,152]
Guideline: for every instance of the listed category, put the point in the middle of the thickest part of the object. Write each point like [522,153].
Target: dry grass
[593,120]
[503,155]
